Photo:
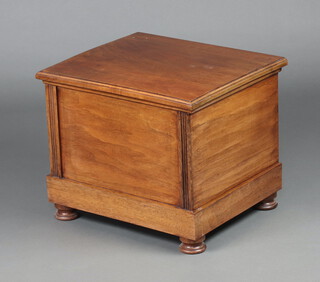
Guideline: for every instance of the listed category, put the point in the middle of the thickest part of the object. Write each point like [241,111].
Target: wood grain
[237,200]
[163,217]
[234,139]
[164,70]
[53,130]
[173,135]
[121,206]
[120,145]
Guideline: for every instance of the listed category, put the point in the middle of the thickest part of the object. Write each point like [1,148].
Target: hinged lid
[175,73]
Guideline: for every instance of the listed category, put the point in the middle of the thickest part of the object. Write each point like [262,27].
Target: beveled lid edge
[159,99]
[239,82]
[123,92]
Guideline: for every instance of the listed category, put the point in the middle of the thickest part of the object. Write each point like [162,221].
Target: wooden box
[172,135]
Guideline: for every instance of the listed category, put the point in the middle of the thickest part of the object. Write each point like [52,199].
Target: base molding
[148,213]
[167,218]
[238,199]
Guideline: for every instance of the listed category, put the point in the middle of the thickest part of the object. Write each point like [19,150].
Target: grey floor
[279,245]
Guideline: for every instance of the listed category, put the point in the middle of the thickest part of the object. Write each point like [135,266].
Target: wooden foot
[65,213]
[268,204]
[191,247]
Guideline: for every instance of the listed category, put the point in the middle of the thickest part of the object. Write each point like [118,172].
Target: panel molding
[187,202]
[53,130]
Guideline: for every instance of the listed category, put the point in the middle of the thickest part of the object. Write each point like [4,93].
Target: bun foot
[268,204]
[192,247]
[65,213]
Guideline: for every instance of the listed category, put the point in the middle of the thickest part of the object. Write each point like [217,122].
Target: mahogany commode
[169,134]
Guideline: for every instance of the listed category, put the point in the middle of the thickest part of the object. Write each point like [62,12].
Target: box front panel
[233,140]
[120,145]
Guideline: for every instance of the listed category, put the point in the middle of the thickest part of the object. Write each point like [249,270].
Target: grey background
[280,245]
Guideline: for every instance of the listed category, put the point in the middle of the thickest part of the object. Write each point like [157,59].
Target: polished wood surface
[168,134]
[234,139]
[268,203]
[65,213]
[238,199]
[120,145]
[140,211]
[192,247]
[53,130]
[162,70]
[163,217]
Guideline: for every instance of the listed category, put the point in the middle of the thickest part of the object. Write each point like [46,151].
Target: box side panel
[120,145]
[234,139]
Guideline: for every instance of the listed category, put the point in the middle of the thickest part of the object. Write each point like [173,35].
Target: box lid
[174,73]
